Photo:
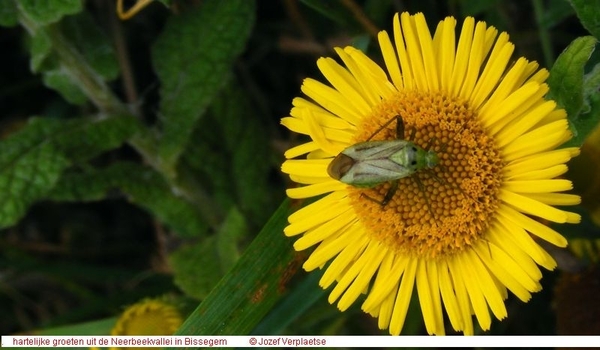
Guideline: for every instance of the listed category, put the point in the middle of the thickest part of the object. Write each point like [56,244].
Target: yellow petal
[403,298]
[542,231]
[533,207]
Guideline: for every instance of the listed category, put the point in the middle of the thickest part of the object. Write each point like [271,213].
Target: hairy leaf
[87,137]
[141,185]
[40,48]
[90,41]
[29,168]
[589,14]
[8,14]
[60,80]
[566,83]
[46,12]
[193,59]
[229,153]
[80,35]
[33,159]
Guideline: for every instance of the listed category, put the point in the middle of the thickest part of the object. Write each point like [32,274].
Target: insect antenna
[399,126]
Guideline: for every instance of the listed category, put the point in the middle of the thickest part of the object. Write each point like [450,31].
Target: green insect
[371,163]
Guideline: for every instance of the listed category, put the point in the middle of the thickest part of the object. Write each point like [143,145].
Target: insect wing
[375,149]
[373,163]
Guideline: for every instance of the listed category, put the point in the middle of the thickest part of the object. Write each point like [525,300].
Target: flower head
[148,317]
[459,232]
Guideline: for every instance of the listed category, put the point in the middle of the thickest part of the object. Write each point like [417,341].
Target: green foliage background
[141,158]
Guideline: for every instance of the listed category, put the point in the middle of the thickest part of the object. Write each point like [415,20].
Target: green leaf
[229,154]
[591,81]
[566,83]
[85,138]
[555,13]
[30,165]
[231,231]
[197,268]
[297,302]
[252,286]
[82,37]
[40,48]
[8,14]
[589,14]
[60,80]
[90,41]
[32,160]
[49,11]
[193,59]
[244,139]
[86,186]
[142,186]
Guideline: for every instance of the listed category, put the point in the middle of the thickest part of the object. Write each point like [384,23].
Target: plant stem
[361,17]
[544,34]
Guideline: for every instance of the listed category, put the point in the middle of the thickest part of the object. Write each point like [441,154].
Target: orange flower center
[439,211]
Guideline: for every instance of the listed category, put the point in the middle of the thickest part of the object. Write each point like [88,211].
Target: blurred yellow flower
[148,317]
[462,233]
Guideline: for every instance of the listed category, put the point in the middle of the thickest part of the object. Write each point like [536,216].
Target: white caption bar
[298,341]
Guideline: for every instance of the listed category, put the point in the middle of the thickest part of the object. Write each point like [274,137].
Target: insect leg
[388,196]
[399,127]
[390,193]
[399,122]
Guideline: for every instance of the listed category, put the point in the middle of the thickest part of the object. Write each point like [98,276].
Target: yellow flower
[461,233]
[148,317]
